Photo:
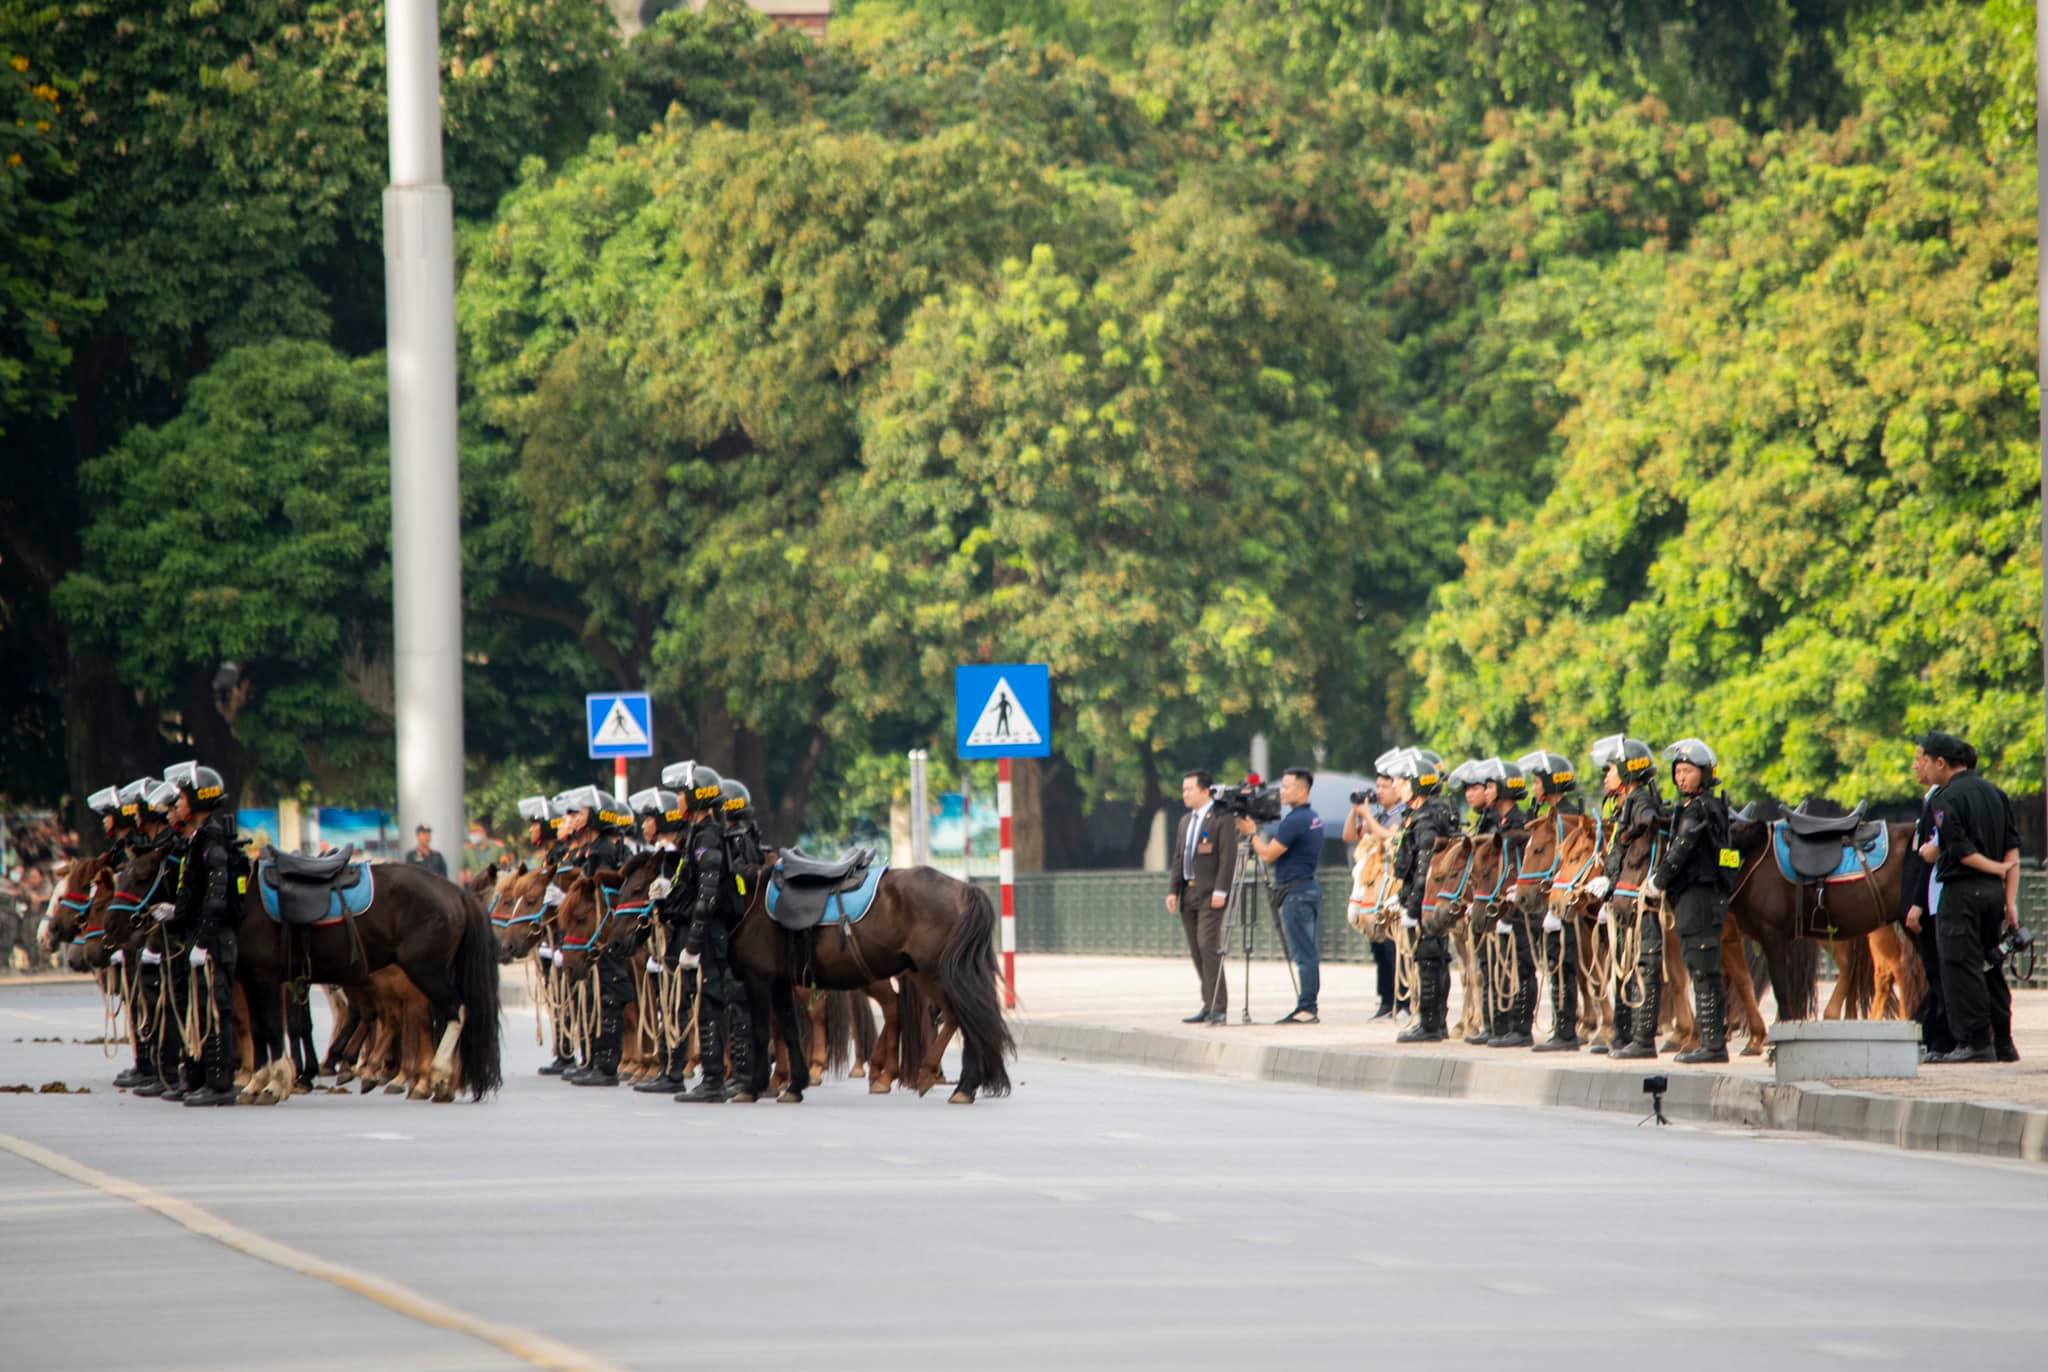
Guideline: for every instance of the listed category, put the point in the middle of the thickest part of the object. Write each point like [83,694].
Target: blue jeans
[1301,911]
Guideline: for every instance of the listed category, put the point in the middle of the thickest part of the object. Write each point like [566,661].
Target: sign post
[1004,711]
[619,725]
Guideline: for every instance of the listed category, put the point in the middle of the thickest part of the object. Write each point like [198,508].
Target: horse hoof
[960,1098]
[444,1094]
[859,1070]
[419,1093]
[878,1085]
[396,1088]
[791,1096]
[1754,1049]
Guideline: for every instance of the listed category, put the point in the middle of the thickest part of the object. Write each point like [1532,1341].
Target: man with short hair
[1293,850]
[1973,820]
[1203,863]
[424,855]
[1918,896]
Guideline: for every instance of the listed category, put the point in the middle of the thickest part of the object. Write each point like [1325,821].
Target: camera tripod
[1247,894]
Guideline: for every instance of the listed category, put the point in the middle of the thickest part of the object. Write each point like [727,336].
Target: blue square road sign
[619,724]
[1003,709]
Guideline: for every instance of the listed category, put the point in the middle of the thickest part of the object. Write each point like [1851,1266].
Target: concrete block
[1815,1050]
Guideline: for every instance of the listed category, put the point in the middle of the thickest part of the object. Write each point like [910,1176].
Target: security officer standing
[597,823]
[664,824]
[697,789]
[1514,934]
[1551,780]
[164,1046]
[1695,878]
[1975,852]
[725,880]
[1429,818]
[207,911]
[1630,777]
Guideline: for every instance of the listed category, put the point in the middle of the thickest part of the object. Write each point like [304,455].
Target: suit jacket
[1215,858]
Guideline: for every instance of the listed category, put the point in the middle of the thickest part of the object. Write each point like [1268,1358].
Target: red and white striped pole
[619,779]
[1007,874]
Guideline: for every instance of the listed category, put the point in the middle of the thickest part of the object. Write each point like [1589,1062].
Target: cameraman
[1292,852]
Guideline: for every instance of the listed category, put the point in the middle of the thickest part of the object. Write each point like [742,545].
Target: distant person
[1292,851]
[1203,863]
[1976,857]
[423,855]
[1919,898]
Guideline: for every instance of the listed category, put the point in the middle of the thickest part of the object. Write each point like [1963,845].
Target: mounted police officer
[1513,934]
[540,819]
[1551,781]
[207,913]
[1630,777]
[163,1048]
[1428,819]
[1695,878]
[728,870]
[595,825]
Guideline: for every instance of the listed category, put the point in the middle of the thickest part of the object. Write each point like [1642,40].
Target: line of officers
[1693,873]
[702,826]
[195,909]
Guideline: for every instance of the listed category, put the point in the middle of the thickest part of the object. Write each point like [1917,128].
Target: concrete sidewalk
[1129,1010]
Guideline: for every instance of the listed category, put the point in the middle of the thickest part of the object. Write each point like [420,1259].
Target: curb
[1985,1128]
[47,979]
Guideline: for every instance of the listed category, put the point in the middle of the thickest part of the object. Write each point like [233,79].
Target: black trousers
[1932,1012]
[218,1058]
[1383,971]
[1972,977]
[614,993]
[1561,956]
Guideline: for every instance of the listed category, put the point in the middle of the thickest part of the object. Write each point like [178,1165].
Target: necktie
[1187,847]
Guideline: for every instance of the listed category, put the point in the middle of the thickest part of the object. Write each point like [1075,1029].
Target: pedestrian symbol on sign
[620,729]
[1002,721]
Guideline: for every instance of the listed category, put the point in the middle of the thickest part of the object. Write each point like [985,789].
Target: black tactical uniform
[1430,819]
[1972,816]
[211,880]
[728,870]
[1695,876]
[1552,773]
[1638,817]
[1513,1023]
[613,957]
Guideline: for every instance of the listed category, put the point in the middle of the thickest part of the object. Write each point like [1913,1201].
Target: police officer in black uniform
[1630,776]
[1513,935]
[1429,818]
[208,913]
[727,872]
[164,1048]
[1975,853]
[1695,877]
[596,825]
[664,828]
[1551,781]
[698,787]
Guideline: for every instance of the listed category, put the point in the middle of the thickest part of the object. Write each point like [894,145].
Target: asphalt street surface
[1097,1218]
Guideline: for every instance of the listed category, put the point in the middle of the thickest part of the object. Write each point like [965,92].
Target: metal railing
[1123,913]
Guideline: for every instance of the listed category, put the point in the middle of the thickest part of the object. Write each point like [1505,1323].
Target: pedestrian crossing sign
[1003,709]
[620,724]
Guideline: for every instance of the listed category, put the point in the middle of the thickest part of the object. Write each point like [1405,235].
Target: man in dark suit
[1200,869]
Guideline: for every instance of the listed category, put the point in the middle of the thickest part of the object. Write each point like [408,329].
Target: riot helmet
[1554,770]
[201,785]
[161,797]
[664,807]
[1423,774]
[135,797]
[736,802]
[1696,752]
[535,809]
[1385,764]
[1630,757]
[1507,778]
[612,815]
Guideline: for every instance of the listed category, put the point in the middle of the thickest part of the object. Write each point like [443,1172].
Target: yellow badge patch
[740,882]
[242,886]
[1731,858]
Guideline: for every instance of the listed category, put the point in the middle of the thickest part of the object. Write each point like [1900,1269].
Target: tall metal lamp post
[426,521]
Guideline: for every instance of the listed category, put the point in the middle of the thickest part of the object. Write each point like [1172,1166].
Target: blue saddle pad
[358,887]
[842,907]
[1854,861]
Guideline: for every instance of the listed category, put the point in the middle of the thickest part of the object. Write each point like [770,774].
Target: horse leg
[1741,992]
[1677,1004]
[816,1012]
[1472,995]
[932,1071]
[882,1075]
[786,1029]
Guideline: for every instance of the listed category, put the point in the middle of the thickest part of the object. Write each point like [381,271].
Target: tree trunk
[1027,813]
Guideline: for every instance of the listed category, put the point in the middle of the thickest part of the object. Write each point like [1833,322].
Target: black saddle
[802,888]
[310,890]
[797,868]
[1842,827]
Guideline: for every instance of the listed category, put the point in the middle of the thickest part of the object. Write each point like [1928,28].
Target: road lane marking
[523,1344]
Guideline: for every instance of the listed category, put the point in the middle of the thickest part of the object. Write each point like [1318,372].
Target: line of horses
[1881,976]
[414,979]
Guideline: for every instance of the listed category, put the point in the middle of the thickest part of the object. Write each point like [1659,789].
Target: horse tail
[913,1029]
[967,978]
[838,1031]
[476,982]
[1802,974]
[1858,977]
[865,1034]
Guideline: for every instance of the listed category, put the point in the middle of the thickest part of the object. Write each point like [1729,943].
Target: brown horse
[1372,885]
[925,926]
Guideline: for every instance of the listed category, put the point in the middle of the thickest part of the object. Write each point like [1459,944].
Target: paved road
[1096,1219]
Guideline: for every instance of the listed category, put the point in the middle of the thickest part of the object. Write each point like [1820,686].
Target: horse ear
[522,869]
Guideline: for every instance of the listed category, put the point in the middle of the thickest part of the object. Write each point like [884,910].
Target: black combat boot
[710,1087]
[1713,1023]
[1642,1041]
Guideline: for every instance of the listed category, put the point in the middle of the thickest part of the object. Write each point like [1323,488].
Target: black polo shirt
[1971,815]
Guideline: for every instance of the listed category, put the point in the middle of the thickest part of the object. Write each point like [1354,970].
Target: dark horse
[428,927]
[929,929]
[1787,918]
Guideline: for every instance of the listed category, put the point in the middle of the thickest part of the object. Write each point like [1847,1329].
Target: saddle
[1821,848]
[804,892]
[314,890]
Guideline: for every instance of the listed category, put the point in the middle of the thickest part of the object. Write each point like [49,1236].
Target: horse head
[141,883]
[583,922]
[519,911]
[1444,897]
[73,900]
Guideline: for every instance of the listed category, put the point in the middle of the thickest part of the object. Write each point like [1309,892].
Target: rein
[1525,877]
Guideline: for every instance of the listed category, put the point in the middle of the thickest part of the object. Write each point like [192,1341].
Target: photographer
[1292,851]
[1204,862]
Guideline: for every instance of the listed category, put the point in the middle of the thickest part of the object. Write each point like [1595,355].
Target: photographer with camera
[1293,849]
[1203,864]
[1979,898]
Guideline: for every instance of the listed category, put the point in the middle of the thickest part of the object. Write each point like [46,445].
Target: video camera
[1248,800]
[2016,951]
